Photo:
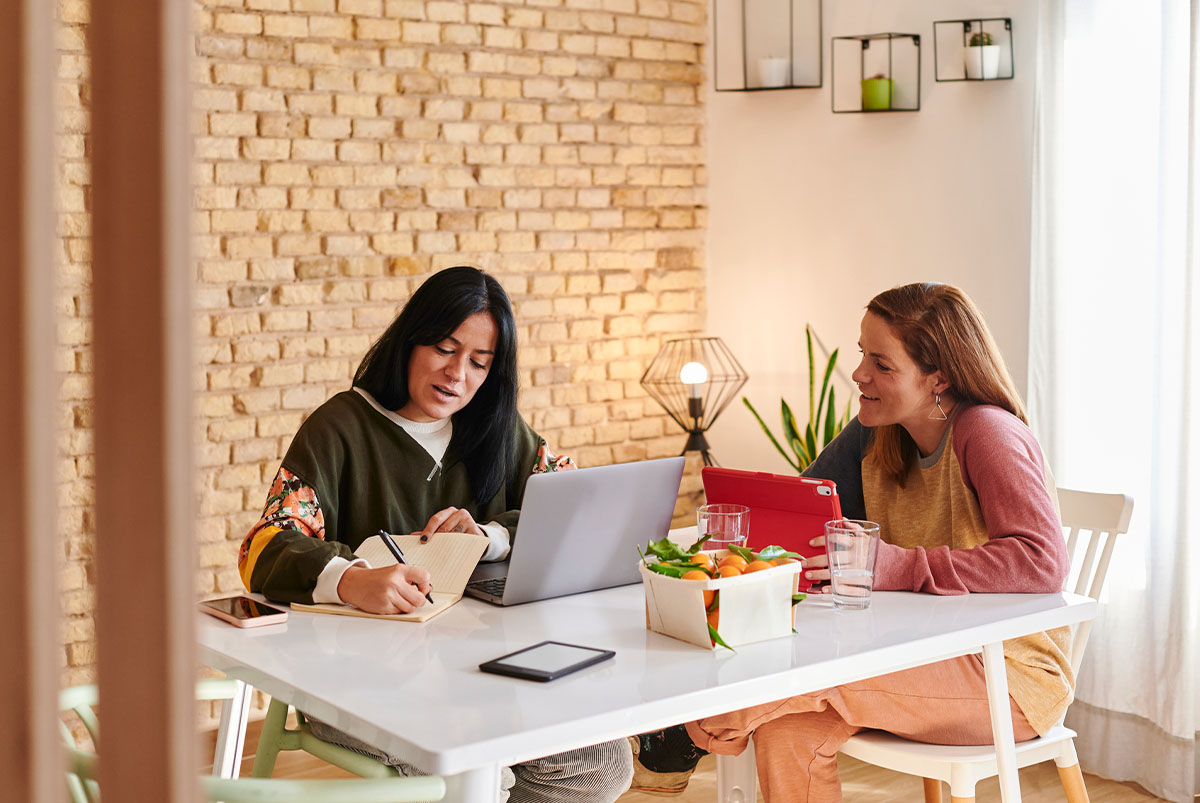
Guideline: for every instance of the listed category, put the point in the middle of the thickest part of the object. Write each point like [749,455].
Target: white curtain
[1114,386]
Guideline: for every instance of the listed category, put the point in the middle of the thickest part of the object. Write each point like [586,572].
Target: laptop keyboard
[495,586]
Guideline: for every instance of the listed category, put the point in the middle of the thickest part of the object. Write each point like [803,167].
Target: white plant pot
[982,61]
[773,71]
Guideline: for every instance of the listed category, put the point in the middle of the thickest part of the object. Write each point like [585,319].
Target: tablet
[546,661]
[786,510]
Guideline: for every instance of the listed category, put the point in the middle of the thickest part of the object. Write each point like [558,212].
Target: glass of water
[727,524]
[850,546]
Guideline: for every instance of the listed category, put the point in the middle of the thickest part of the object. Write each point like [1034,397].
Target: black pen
[398,555]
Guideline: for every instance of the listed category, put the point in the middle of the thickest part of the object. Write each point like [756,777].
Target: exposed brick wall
[346,149]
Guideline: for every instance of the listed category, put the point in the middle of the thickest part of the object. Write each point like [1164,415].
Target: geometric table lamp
[694,379]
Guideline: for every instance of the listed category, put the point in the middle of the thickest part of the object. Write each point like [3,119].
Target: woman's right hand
[391,589]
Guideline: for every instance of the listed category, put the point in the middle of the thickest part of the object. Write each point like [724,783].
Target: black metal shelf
[956,59]
[885,69]
[762,45]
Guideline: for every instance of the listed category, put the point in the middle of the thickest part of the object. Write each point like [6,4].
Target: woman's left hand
[450,520]
[816,568]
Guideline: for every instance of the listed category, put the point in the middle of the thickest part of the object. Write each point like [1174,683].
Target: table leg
[1002,729]
[737,777]
[480,785]
[231,734]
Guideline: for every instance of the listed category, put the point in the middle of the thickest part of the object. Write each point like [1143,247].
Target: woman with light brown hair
[940,455]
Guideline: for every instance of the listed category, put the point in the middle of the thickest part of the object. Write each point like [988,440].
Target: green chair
[83,767]
[276,736]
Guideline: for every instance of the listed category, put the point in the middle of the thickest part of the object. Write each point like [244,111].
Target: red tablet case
[786,510]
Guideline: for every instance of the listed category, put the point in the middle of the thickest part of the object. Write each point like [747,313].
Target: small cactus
[981,39]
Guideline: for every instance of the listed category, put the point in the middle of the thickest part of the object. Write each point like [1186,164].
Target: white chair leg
[1067,757]
[231,733]
[737,777]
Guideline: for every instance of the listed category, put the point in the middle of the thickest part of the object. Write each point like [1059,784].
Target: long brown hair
[941,330]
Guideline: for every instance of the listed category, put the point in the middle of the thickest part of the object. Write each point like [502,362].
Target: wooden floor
[861,783]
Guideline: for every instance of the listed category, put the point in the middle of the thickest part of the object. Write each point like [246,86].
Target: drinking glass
[850,546]
[728,524]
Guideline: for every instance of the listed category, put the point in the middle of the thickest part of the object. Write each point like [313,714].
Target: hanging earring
[937,413]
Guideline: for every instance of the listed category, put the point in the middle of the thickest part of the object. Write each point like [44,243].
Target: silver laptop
[586,523]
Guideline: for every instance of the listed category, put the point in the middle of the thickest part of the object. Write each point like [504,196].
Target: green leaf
[802,455]
[810,437]
[696,547]
[799,598]
[670,570]
[747,554]
[790,430]
[831,429]
[770,435]
[716,603]
[825,388]
[716,637]
[811,378]
[666,549]
[774,551]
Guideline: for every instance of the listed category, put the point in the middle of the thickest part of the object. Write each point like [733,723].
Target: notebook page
[448,557]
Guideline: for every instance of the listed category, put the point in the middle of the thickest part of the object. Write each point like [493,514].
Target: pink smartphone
[244,612]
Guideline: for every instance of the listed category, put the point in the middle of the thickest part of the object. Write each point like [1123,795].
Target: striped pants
[599,773]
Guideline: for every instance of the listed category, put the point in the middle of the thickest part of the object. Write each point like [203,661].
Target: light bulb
[693,374]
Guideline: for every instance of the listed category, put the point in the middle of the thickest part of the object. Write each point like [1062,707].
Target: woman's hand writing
[392,589]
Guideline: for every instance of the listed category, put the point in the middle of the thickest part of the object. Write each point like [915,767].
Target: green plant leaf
[811,378]
[670,570]
[789,420]
[770,435]
[747,554]
[803,458]
[825,388]
[775,551]
[799,598]
[831,427]
[666,549]
[810,438]
[716,637]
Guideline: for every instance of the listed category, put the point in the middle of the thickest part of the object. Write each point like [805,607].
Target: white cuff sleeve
[330,576]
[499,543]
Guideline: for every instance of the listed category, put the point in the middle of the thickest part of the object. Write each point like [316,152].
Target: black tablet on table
[546,661]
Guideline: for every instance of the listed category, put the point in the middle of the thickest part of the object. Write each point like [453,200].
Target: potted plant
[804,447]
[982,57]
[877,93]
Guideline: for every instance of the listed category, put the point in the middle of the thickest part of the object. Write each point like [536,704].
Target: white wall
[813,213]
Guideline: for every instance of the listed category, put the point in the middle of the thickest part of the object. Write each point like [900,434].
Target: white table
[415,691]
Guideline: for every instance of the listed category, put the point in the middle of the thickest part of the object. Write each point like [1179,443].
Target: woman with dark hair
[940,455]
[427,440]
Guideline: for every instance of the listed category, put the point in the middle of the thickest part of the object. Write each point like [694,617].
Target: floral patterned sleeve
[291,505]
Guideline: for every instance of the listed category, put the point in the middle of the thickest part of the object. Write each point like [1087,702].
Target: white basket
[754,607]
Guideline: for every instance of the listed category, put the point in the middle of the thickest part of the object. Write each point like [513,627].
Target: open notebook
[448,557]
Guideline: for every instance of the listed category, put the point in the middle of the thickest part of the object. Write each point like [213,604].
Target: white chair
[1104,516]
[1092,518]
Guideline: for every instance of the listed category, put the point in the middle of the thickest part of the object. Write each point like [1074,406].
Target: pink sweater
[977,515]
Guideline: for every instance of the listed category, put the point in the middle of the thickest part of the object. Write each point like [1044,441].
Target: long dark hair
[942,330]
[483,430]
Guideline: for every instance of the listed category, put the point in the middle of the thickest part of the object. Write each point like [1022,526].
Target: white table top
[415,691]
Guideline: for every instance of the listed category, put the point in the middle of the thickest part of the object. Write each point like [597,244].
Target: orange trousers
[796,740]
